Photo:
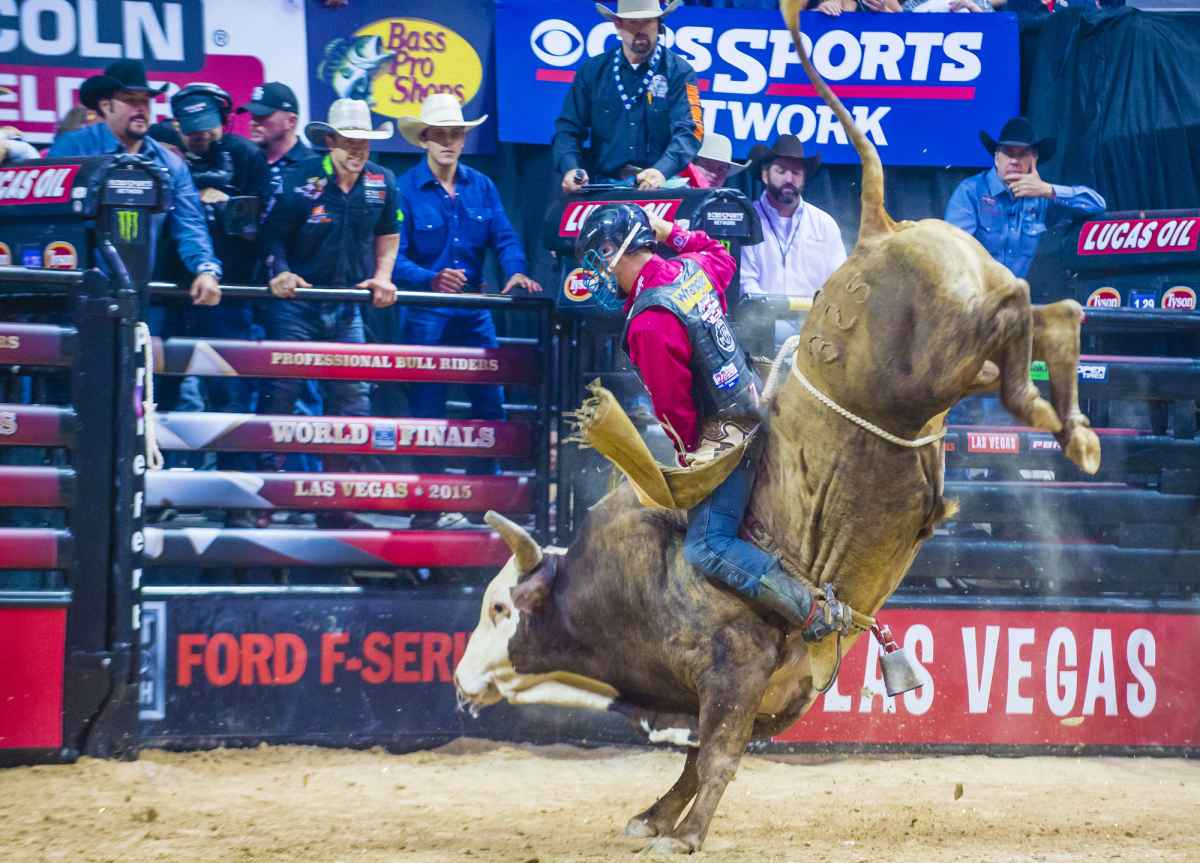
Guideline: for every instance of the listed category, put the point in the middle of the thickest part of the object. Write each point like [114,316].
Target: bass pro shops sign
[920,86]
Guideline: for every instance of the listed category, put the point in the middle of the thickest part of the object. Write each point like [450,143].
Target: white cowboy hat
[439,109]
[718,148]
[350,118]
[638,9]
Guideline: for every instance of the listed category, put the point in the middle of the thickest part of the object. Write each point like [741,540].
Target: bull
[849,484]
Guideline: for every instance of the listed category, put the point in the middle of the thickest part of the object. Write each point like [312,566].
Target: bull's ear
[531,592]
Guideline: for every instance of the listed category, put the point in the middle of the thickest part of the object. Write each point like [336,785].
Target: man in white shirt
[801,245]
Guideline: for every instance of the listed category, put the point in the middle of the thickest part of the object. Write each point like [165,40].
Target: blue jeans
[712,543]
[299,320]
[469,328]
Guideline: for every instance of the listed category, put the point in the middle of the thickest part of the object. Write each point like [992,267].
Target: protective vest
[724,385]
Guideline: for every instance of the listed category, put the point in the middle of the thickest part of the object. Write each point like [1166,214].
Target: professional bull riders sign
[47,49]
[920,86]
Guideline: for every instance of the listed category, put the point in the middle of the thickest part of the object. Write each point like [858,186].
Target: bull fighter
[678,338]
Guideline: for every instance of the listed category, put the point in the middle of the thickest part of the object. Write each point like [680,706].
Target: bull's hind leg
[660,819]
[1056,342]
[1017,392]
[729,699]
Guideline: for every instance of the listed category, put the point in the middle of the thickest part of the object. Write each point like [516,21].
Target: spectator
[166,132]
[714,163]
[76,118]
[1008,206]
[638,103]
[333,224]
[801,245]
[274,119]
[451,216]
[122,97]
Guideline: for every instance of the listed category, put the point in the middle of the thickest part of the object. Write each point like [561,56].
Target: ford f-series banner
[920,86]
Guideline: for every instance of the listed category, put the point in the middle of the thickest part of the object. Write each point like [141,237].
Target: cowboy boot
[796,604]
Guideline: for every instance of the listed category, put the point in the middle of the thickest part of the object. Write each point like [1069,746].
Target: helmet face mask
[609,233]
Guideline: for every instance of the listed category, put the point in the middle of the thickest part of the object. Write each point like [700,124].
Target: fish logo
[351,64]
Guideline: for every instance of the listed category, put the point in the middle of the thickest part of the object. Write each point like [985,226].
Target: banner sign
[374,667]
[507,364]
[253,433]
[1139,236]
[920,86]
[48,49]
[1031,678]
[33,643]
[394,62]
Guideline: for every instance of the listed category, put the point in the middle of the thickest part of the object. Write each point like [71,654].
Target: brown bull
[918,317]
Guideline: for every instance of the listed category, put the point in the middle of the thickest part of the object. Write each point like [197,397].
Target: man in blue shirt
[451,215]
[122,97]
[1007,208]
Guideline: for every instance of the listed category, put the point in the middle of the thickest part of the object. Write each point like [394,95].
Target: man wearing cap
[274,123]
[801,245]
[1008,206]
[333,225]
[714,163]
[122,97]
[451,216]
[638,102]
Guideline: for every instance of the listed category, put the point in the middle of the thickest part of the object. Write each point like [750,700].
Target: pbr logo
[575,288]
[5,255]
[1180,298]
[383,436]
[1105,298]
[60,255]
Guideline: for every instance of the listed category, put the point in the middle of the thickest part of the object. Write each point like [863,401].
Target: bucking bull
[849,484]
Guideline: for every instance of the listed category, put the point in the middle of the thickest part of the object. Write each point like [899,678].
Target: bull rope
[154,457]
[859,421]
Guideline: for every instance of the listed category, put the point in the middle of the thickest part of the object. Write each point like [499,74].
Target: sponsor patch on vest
[318,216]
[726,377]
[723,336]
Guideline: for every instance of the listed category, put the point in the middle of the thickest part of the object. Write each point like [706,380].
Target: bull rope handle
[154,457]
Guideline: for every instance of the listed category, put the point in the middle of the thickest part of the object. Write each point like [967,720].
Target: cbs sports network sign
[920,86]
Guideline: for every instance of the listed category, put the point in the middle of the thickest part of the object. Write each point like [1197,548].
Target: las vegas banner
[920,86]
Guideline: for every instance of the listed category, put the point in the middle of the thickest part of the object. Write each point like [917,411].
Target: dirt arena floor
[481,801]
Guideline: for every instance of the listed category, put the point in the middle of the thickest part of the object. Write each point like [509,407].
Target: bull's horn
[523,546]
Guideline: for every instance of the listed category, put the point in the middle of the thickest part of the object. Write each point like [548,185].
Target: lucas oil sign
[920,86]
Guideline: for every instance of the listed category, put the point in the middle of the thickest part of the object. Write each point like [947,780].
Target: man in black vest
[678,338]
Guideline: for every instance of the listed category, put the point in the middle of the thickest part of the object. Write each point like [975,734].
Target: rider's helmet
[610,232]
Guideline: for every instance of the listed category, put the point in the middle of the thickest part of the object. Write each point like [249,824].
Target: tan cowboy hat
[350,118]
[638,9]
[717,148]
[438,109]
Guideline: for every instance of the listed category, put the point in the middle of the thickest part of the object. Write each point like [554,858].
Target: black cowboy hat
[120,75]
[785,147]
[1018,132]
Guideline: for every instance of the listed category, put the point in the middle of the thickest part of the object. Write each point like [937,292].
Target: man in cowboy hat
[801,245]
[122,97]
[714,163]
[638,102]
[1008,206]
[452,215]
[334,225]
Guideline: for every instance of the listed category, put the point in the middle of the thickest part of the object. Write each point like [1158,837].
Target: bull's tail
[875,220]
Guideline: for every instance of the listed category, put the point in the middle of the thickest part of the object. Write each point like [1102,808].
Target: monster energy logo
[129,225]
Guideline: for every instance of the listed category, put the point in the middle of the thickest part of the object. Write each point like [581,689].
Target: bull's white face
[486,663]
[486,675]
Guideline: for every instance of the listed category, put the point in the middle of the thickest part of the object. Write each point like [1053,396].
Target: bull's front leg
[660,819]
[729,697]
[1056,342]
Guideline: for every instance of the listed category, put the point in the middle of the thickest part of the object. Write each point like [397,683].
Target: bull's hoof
[1084,449]
[639,828]
[1042,416]
[668,845]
